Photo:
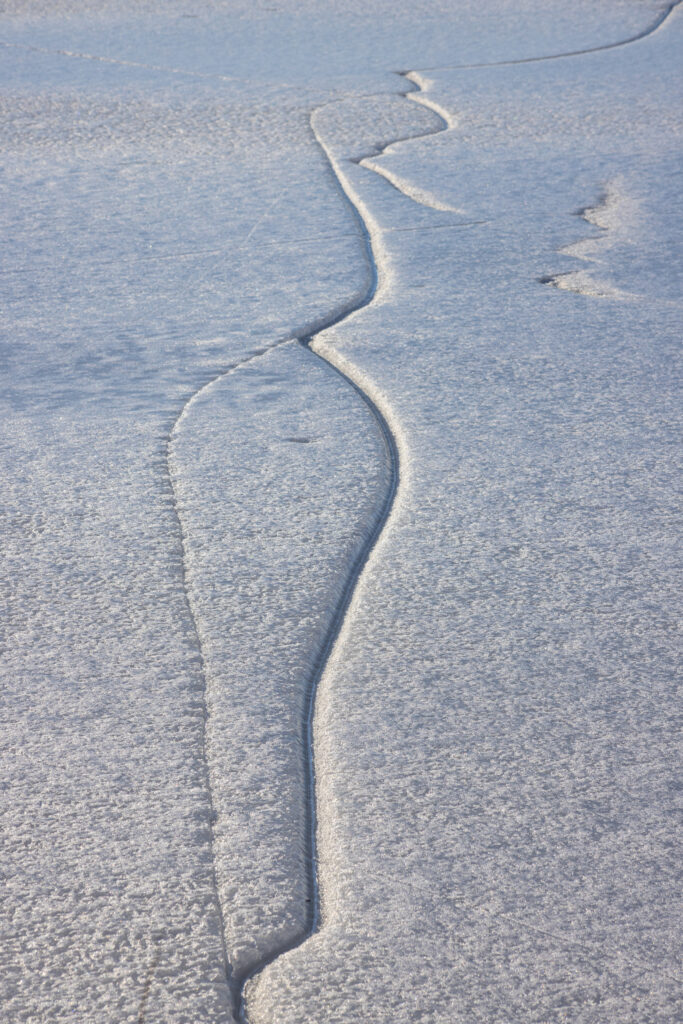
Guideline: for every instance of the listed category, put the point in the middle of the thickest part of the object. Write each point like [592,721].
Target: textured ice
[185,489]
[502,848]
[254,458]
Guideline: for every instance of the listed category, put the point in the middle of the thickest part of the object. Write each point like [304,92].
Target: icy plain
[340,458]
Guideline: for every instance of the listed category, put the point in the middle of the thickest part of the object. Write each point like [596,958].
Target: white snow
[190,498]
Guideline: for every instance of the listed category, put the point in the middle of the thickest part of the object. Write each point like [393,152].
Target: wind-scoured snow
[614,216]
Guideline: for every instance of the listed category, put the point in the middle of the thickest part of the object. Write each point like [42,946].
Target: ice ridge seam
[306,339]
[369,232]
[414,92]
[236,981]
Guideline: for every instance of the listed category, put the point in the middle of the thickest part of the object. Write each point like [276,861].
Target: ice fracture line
[309,340]
[650,30]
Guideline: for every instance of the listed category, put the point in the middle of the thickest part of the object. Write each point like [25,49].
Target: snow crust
[185,488]
[255,456]
[502,847]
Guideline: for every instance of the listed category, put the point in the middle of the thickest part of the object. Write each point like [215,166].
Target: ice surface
[254,459]
[185,489]
[502,848]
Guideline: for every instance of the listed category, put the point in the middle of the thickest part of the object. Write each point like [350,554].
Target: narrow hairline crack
[650,30]
[218,76]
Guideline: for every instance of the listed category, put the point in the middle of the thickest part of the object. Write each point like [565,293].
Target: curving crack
[172,476]
[311,340]
[417,95]
[419,194]
[307,338]
[652,28]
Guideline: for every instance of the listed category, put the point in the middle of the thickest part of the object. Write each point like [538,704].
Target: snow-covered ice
[294,434]
[212,216]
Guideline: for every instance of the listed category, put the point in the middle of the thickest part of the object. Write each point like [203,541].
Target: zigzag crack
[423,196]
[602,216]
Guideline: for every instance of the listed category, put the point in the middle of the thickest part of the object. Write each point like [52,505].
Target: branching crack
[309,339]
